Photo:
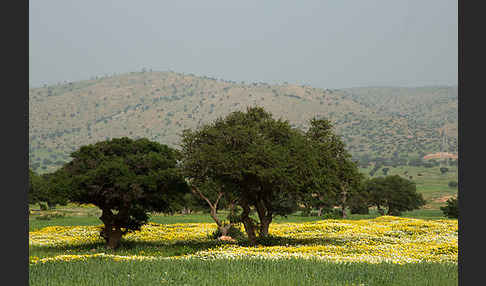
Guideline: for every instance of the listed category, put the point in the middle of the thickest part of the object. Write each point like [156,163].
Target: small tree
[451,210]
[126,179]
[340,175]
[393,193]
[443,170]
[385,171]
[47,188]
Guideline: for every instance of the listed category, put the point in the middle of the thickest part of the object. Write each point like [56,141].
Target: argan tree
[393,194]
[262,162]
[126,179]
[341,175]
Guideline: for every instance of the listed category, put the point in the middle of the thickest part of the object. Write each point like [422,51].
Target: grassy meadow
[419,248]
[240,272]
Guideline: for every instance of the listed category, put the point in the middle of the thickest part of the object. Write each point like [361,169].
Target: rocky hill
[380,122]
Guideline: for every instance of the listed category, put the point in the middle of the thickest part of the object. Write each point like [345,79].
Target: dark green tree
[443,170]
[261,162]
[359,202]
[340,176]
[393,194]
[451,209]
[126,179]
[34,193]
[385,171]
[47,188]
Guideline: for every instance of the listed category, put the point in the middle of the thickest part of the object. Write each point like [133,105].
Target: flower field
[384,239]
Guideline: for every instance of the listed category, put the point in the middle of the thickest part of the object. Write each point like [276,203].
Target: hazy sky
[328,44]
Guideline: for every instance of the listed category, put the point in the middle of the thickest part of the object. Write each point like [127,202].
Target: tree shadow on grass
[165,249]
[288,241]
[127,247]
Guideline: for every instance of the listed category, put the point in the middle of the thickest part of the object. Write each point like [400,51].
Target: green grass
[239,272]
[36,224]
[97,271]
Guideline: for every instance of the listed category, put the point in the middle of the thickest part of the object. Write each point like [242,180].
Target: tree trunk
[114,237]
[250,230]
[343,206]
[319,211]
[264,225]
[111,233]
[265,216]
[248,223]
[224,229]
[213,210]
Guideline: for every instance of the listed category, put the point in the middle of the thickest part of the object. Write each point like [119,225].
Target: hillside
[390,122]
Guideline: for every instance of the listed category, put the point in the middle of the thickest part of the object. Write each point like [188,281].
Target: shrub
[443,170]
[43,206]
[451,210]
[452,184]
[336,214]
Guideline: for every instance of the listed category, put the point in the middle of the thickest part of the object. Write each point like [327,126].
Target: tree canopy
[126,179]
[340,176]
[261,161]
[394,193]
[47,188]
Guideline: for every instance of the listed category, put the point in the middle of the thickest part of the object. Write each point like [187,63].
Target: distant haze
[328,44]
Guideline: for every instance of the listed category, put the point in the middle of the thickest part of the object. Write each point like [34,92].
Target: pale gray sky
[328,44]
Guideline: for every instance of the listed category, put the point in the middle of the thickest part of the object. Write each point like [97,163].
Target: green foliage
[339,176]
[126,179]
[34,192]
[334,214]
[47,189]
[385,171]
[451,210]
[260,161]
[394,193]
[443,170]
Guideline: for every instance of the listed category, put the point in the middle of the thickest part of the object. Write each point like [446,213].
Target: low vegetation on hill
[398,124]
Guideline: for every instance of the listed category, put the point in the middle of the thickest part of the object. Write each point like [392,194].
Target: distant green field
[431,183]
